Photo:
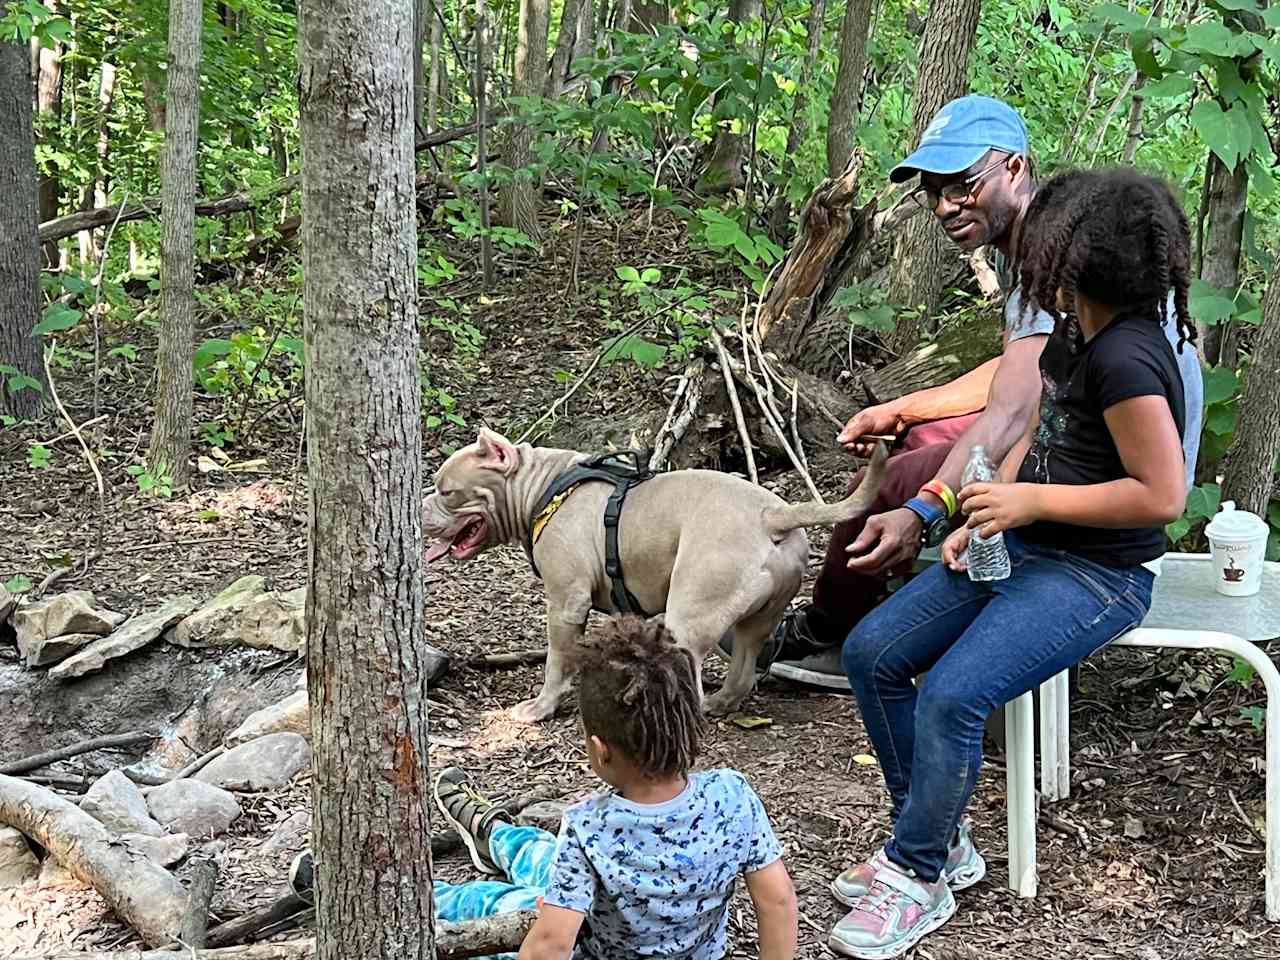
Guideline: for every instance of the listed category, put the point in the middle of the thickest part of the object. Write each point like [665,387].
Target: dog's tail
[781,520]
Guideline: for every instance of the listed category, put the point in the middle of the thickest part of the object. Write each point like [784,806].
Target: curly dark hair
[1116,235]
[638,692]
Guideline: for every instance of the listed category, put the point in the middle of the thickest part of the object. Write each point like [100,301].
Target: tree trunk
[95,193]
[921,250]
[573,41]
[1249,469]
[19,250]
[49,109]
[153,100]
[780,215]
[366,669]
[438,84]
[279,150]
[846,99]
[171,436]
[519,199]
[422,16]
[1134,136]
[1224,237]
[723,171]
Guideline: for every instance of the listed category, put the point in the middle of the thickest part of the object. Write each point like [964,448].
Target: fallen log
[195,925]
[260,918]
[239,202]
[144,895]
[454,941]
[517,658]
[35,761]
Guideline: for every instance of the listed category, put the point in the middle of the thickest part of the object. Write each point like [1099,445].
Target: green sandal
[460,803]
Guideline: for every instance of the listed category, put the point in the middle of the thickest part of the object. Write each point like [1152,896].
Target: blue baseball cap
[960,133]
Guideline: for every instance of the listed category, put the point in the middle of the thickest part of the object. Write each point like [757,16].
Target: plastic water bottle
[988,557]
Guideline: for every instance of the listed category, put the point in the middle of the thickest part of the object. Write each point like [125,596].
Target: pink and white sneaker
[895,914]
[964,868]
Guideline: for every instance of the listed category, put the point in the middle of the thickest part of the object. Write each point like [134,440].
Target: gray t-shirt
[655,880]
[1037,321]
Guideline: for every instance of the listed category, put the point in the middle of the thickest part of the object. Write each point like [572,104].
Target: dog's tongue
[437,550]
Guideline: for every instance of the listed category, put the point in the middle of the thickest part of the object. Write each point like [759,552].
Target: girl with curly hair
[1083,499]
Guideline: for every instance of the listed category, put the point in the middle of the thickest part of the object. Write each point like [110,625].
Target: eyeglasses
[958,193]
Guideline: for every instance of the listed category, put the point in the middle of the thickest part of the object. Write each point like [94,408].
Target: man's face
[976,206]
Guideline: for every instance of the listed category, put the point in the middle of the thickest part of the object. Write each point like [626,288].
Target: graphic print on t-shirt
[1054,422]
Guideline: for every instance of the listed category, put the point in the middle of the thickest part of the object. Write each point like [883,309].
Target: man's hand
[994,507]
[883,420]
[887,541]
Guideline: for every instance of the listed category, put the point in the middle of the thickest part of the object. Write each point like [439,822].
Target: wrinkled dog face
[463,515]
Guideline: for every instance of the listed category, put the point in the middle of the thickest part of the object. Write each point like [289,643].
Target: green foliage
[39,457]
[149,482]
[866,307]
[19,583]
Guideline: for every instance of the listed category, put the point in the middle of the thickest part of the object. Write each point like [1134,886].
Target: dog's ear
[496,452]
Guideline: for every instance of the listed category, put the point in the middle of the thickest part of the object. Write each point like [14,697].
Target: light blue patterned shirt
[655,880]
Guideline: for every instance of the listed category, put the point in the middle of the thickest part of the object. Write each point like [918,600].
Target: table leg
[1020,732]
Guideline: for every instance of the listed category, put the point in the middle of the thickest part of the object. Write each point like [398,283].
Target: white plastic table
[1186,612]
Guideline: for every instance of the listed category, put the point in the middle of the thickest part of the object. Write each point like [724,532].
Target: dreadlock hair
[638,692]
[1118,236]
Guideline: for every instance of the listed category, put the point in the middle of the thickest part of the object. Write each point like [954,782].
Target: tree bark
[723,171]
[422,15]
[1249,469]
[366,669]
[171,436]
[95,194]
[1223,241]
[921,249]
[846,99]
[573,41]
[780,215]
[19,250]
[519,199]
[438,83]
[1134,135]
[146,896]
[49,110]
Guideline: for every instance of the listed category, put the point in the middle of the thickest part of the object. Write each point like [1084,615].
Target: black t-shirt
[1130,357]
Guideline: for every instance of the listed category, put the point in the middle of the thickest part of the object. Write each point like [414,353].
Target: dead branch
[732,391]
[680,415]
[37,760]
[454,941]
[518,658]
[224,206]
[144,895]
[195,925]
[88,454]
[245,926]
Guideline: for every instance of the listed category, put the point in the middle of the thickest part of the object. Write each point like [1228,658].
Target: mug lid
[1232,524]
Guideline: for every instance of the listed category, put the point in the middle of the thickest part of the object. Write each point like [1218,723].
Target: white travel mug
[1238,546]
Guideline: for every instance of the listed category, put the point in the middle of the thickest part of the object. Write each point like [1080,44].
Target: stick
[195,925]
[144,895]
[454,941]
[38,760]
[53,577]
[738,418]
[191,769]
[795,422]
[677,423]
[84,426]
[244,926]
[1244,819]
[93,463]
[97,304]
[518,658]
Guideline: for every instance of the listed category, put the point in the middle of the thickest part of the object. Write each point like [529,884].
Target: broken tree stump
[145,896]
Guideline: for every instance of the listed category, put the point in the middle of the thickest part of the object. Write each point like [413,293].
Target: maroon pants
[842,597]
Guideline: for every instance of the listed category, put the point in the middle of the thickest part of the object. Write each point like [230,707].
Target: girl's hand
[995,507]
[953,549]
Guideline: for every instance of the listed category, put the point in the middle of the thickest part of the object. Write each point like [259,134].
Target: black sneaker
[462,805]
[822,669]
[302,876]
[791,640]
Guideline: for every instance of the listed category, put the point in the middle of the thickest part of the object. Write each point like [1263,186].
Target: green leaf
[1237,4]
[1273,546]
[19,584]
[1213,38]
[627,274]
[209,351]
[1119,17]
[1220,384]
[1227,133]
[1178,529]
[1209,304]
[635,348]
[1255,715]
[1271,17]
[1203,501]
[1144,57]
[650,275]
[56,318]
[1173,85]
[1221,420]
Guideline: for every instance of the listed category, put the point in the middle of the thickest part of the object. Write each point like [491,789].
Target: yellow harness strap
[541,520]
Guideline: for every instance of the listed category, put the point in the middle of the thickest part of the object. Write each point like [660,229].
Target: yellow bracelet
[943,493]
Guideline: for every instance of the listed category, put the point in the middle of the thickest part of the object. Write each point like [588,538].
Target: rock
[162,851]
[301,683]
[193,807]
[8,603]
[290,715]
[116,802]
[41,653]
[18,865]
[290,837]
[132,635]
[72,612]
[545,815]
[264,764]
[277,621]
[217,623]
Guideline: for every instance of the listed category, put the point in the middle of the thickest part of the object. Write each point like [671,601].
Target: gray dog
[715,553]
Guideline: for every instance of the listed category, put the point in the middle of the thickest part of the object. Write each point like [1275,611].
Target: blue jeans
[983,644]
[525,855]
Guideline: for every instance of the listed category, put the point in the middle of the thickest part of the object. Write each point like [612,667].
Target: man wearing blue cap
[976,179]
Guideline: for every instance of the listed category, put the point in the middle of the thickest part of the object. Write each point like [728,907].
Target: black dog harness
[623,471]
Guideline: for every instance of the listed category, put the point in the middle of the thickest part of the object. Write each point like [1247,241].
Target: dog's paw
[534,711]
[720,704]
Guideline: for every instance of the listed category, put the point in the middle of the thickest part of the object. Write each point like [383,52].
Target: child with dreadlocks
[647,867]
[1083,499]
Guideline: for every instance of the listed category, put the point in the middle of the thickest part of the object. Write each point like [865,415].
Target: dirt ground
[1155,856]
